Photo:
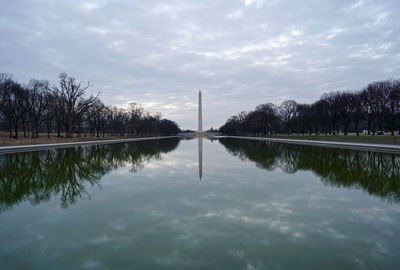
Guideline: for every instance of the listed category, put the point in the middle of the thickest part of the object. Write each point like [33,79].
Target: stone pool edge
[344,145]
[36,147]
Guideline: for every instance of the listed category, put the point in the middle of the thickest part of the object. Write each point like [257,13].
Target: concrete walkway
[346,145]
[35,147]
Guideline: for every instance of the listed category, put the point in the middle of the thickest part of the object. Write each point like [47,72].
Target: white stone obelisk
[200,114]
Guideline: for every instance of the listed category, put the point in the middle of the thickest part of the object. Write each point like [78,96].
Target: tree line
[40,106]
[374,109]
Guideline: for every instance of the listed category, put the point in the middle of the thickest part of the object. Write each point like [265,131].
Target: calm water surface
[199,204]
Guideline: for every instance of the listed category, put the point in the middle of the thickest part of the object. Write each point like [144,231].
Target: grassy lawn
[377,139]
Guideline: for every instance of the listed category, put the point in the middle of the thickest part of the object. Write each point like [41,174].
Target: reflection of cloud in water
[91,264]
[368,215]
[280,207]
[237,253]
[163,163]
[208,195]
[100,240]
[117,226]
[239,216]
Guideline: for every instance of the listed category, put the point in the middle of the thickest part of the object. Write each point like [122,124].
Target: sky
[240,53]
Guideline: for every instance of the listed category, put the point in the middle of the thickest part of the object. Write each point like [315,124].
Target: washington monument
[200,114]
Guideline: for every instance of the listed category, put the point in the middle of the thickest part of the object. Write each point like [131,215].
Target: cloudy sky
[240,53]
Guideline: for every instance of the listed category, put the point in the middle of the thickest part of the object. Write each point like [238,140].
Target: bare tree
[378,93]
[333,106]
[6,83]
[394,103]
[321,116]
[357,110]
[96,118]
[70,96]
[345,109]
[13,107]
[36,104]
[50,113]
[135,114]
[287,111]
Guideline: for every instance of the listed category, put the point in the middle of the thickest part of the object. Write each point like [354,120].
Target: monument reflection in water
[200,149]
[136,205]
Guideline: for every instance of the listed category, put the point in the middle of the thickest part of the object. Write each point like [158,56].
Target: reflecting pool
[199,204]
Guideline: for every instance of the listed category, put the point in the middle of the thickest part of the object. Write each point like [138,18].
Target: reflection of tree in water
[37,176]
[376,173]
[253,151]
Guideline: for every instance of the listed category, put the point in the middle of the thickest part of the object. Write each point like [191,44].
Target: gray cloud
[240,53]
